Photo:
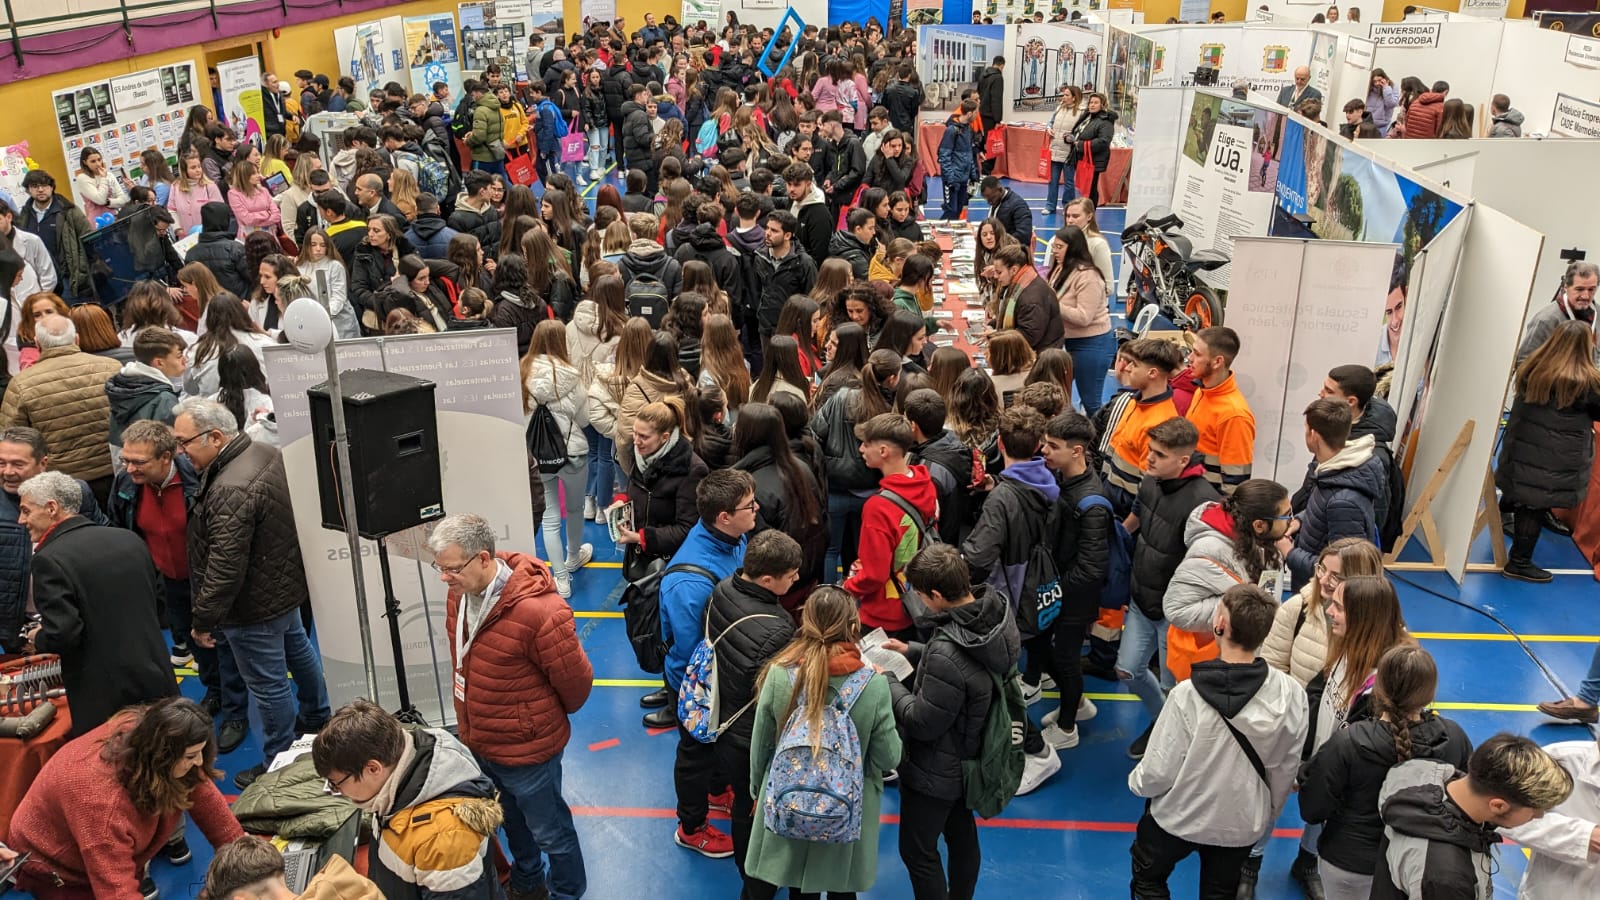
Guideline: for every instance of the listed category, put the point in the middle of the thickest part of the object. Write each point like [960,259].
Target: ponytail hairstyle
[1256,500]
[1407,679]
[877,388]
[761,425]
[666,415]
[828,624]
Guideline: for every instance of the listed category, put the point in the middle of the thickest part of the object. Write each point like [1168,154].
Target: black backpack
[647,298]
[641,613]
[547,446]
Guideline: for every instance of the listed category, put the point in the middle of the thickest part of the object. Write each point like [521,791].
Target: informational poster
[951,57]
[1575,117]
[545,15]
[433,53]
[1323,47]
[1044,59]
[374,54]
[125,116]
[1194,10]
[479,400]
[1226,174]
[1128,68]
[489,35]
[1358,52]
[924,12]
[240,83]
[707,11]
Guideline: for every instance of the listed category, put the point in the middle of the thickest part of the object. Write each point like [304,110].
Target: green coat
[487,127]
[801,864]
[904,299]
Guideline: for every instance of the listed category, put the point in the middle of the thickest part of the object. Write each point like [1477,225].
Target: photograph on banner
[924,12]
[951,57]
[1128,59]
[482,46]
[707,11]
[1222,189]
[545,16]
[1044,59]
[495,35]
[431,47]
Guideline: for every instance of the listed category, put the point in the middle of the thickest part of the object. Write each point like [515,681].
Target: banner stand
[1421,516]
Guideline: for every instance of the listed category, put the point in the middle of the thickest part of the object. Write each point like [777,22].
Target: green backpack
[992,779]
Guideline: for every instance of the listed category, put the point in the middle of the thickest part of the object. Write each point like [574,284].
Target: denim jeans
[264,651]
[1589,690]
[571,478]
[844,534]
[493,168]
[539,824]
[601,484]
[1060,175]
[1140,638]
[596,159]
[1091,360]
[218,672]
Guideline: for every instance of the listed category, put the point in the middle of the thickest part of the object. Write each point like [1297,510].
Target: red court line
[638,812]
[656,732]
[605,744]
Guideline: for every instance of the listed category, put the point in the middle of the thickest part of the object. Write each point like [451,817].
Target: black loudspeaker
[394,452]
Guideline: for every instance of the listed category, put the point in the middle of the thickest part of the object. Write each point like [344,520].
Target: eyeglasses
[752,506]
[451,570]
[332,787]
[1322,572]
[183,443]
[1287,517]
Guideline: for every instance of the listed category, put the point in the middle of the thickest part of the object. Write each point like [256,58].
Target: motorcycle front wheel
[1202,307]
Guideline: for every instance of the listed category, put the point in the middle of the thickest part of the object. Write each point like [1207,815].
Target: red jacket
[1422,119]
[888,541]
[81,826]
[524,672]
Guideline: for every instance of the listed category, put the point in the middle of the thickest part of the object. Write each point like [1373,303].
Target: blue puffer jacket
[16,558]
[123,509]
[956,163]
[684,595]
[1344,494]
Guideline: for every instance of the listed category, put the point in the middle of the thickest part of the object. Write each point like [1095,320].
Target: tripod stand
[391,610]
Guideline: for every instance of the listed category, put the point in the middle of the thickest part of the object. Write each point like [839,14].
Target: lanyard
[491,595]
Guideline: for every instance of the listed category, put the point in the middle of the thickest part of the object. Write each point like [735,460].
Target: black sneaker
[231,735]
[148,888]
[212,704]
[182,655]
[176,851]
[248,776]
[1137,748]
[1526,571]
[1248,875]
[1305,874]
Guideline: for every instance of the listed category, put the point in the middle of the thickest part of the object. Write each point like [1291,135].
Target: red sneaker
[722,802]
[708,842]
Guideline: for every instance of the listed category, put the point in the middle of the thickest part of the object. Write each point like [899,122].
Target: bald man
[1292,94]
[370,197]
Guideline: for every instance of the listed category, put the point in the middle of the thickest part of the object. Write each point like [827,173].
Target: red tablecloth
[1021,160]
[21,761]
[1585,517]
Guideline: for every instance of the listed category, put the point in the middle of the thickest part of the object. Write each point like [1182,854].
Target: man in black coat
[637,134]
[747,627]
[706,245]
[813,222]
[615,85]
[273,110]
[903,100]
[991,101]
[843,162]
[1010,210]
[96,591]
[783,269]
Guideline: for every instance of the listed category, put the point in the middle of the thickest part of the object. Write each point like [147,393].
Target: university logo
[1211,55]
[1274,59]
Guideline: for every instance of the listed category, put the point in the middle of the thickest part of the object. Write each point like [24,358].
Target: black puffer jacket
[592,105]
[704,244]
[1164,507]
[991,96]
[949,464]
[1345,494]
[846,246]
[744,650]
[903,100]
[1098,129]
[1547,453]
[244,552]
[835,428]
[637,135]
[1083,549]
[1380,420]
[614,86]
[773,492]
[219,252]
[485,226]
[663,499]
[780,279]
[1340,784]
[941,715]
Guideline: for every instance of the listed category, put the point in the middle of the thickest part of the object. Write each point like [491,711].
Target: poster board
[124,116]
[1041,60]
[239,80]
[951,57]
[478,396]
[1226,174]
[432,53]
[495,32]
[374,54]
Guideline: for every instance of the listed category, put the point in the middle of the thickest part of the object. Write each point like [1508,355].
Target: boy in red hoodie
[890,533]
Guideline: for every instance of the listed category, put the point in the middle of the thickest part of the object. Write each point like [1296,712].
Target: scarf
[382,803]
[846,658]
[642,463]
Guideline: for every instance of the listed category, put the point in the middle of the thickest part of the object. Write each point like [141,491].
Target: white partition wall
[1158,137]
[1465,56]
[1533,69]
[1433,278]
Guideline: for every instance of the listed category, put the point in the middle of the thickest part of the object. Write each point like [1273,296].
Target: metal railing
[129,17]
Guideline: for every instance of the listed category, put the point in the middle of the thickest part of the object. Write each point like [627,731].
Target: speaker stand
[391,611]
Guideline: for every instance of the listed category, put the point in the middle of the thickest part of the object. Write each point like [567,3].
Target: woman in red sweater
[109,800]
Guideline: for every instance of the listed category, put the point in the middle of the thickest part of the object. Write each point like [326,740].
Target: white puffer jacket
[1209,567]
[1301,655]
[584,344]
[556,385]
[605,399]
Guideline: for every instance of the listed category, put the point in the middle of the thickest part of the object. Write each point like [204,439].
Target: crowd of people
[738,346]
[1411,109]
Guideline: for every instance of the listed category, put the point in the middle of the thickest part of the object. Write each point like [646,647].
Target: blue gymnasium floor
[1070,838]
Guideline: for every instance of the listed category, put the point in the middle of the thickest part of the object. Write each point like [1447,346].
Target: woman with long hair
[1383,98]
[198,286]
[1455,120]
[1010,358]
[157,175]
[549,380]
[251,202]
[1085,314]
[913,292]
[1411,89]
[849,480]
[1053,366]
[945,367]
[273,151]
[319,255]
[685,320]
[890,168]
[242,389]
[465,252]
[513,229]
[614,242]
[403,190]
[1548,447]
[906,335]
[561,221]
[96,334]
[1298,643]
[228,323]
[797,318]
[549,276]
[592,338]
[97,189]
[148,305]
[991,239]
[865,307]
[780,370]
[1080,214]
[722,364]
[516,304]
[190,192]
[821,664]
[421,294]
[847,351]
[788,494]
[698,278]
[973,414]
[608,196]
[833,276]
[1339,786]
[663,472]
[668,143]
[611,381]
[109,801]
[1062,122]
[266,305]
[297,193]
[376,262]
[660,378]
[1091,138]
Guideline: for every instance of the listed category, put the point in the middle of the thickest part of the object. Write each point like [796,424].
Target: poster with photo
[504,27]
[1226,175]
[924,12]
[1128,67]
[1044,59]
[239,80]
[120,117]
[545,16]
[951,57]
[432,52]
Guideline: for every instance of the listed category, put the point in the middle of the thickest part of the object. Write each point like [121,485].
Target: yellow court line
[1489,707]
[1528,638]
[628,682]
[596,615]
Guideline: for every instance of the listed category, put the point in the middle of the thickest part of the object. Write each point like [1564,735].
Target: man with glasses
[519,672]
[151,497]
[435,812]
[247,575]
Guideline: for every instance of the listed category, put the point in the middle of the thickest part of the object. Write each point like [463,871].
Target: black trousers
[1156,853]
[922,820]
[695,775]
[1526,526]
[1060,653]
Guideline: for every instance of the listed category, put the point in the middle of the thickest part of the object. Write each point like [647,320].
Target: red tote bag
[1083,175]
[519,170]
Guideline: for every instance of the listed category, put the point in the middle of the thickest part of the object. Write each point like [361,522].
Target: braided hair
[1407,678]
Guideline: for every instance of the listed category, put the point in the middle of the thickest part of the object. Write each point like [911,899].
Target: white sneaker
[588,508]
[1060,740]
[1086,709]
[1046,682]
[1036,770]
[563,583]
[585,553]
[1032,693]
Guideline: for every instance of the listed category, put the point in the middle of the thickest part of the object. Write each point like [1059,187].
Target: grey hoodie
[1430,848]
[1507,125]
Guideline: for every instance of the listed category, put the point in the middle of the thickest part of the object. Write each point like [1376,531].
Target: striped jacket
[1227,433]
[1129,444]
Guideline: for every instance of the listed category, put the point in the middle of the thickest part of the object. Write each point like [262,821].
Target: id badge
[461,687]
[1273,581]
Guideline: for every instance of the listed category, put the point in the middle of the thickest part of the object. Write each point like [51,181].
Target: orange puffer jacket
[524,673]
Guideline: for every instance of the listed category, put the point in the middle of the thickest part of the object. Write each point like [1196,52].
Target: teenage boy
[941,717]
[949,462]
[747,626]
[1148,374]
[251,868]
[147,388]
[1082,551]
[810,207]
[1174,484]
[1440,826]
[1222,758]
[1357,386]
[435,810]
[726,500]
[1219,411]
[957,166]
[892,523]
[1344,488]
[877,124]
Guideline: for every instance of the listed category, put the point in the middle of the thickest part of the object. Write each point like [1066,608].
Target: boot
[1248,874]
[1524,538]
[1304,873]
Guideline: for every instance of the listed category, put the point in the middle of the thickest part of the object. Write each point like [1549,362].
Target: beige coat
[1061,123]
[646,388]
[64,396]
[1302,655]
[1084,311]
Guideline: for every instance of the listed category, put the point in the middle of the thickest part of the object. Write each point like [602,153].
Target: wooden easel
[1421,516]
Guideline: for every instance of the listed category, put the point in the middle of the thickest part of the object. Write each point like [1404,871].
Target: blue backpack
[1119,562]
[705,142]
[558,125]
[818,797]
[699,706]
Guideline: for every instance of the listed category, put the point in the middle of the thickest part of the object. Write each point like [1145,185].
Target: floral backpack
[818,797]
